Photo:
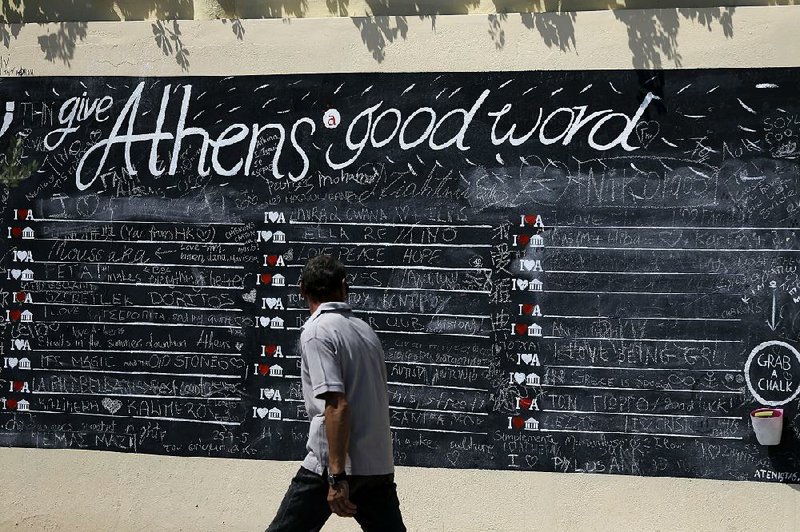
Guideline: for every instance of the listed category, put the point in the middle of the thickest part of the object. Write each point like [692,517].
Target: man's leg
[378,505]
[305,506]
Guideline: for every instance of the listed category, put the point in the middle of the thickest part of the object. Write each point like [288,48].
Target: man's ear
[345,289]
[302,290]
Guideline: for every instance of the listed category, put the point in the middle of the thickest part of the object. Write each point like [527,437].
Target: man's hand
[339,499]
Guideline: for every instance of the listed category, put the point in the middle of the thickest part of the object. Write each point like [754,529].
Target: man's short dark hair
[322,278]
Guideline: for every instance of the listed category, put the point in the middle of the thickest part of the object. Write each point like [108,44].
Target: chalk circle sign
[772,373]
[331,118]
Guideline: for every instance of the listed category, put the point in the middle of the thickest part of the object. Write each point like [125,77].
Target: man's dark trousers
[305,505]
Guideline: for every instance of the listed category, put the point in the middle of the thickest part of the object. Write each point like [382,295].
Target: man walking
[349,468]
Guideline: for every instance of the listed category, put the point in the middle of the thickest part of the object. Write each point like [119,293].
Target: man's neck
[314,305]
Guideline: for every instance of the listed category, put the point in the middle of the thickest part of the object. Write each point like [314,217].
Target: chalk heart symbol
[452,457]
[264,321]
[266,278]
[272,302]
[527,265]
[15,315]
[517,422]
[112,405]
[16,232]
[205,235]
[274,216]
[250,296]
[270,393]
[521,329]
[22,213]
[22,255]
[525,403]
[12,362]
[522,284]
[272,260]
[18,385]
[263,369]
[268,234]
[527,357]
[530,219]
[16,274]
[523,239]
[519,377]
[527,308]
[262,412]
[270,349]
[647,131]
[21,297]
[11,404]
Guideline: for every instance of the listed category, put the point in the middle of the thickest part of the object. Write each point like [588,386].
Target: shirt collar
[328,307]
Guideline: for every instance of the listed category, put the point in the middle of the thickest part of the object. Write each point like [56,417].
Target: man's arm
[337,430]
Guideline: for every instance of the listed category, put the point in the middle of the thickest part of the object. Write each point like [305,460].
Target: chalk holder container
[768,425]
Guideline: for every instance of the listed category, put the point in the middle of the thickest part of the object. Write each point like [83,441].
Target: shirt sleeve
[324,368]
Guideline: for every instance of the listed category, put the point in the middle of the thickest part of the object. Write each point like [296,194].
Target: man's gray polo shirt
[341,353]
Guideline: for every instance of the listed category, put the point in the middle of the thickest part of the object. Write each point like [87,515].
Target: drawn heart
[519,377]
[15,315]
[527,357]
[521,329]
[19,344]
[22,213]
[12,362]
[18,385]
[21,297]
[272,260]
[22,255]
[647,131]
[263,369]
[250,296]
[527,308]
[522,284]
[266,278]
[266,235]
[527,265]
[16,274]
[205,235]
[452,457]
[270,393]
[525,403]
[270,349]
[530,219]
[272,302]
[518,422]
[262,412]
[274,216]
[16,232]
[523,239]
[263,321]
[11,404]
[112,405]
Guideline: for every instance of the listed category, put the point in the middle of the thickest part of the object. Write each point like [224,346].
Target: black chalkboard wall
[569,271]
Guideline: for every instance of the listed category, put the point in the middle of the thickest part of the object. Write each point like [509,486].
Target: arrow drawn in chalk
[771,323]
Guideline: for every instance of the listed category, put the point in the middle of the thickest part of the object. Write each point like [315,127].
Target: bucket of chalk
[768,425]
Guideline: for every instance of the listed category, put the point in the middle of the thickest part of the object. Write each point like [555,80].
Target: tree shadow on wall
[652,33]
[58,42]
[389,20]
